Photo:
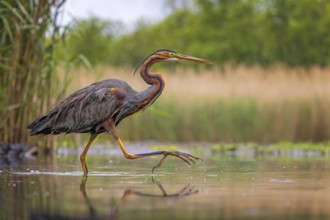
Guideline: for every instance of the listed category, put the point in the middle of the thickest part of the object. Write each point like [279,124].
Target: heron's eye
[171,54]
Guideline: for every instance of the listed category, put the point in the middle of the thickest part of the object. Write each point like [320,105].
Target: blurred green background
[270,80]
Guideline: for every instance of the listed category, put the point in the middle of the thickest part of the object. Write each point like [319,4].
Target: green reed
[29,32]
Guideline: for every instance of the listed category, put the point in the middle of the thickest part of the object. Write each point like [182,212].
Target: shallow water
[223,187]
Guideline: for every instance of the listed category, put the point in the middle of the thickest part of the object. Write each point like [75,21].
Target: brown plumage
[101,106]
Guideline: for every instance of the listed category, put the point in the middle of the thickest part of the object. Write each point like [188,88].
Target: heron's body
[100,107]
[86,110]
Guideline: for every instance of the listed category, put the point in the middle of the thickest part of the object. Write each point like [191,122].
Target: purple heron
[101,106]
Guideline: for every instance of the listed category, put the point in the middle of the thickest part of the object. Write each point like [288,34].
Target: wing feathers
[83,111]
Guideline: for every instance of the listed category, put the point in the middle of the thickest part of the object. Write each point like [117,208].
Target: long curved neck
[155,80]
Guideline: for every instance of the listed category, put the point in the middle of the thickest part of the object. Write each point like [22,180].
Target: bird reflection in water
[187,190]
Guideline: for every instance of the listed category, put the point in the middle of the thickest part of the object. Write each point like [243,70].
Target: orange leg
[188,158]
[83,154]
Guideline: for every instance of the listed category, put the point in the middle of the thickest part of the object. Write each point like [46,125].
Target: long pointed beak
[182,57]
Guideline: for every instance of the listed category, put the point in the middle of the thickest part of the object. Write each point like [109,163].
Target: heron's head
[165,55]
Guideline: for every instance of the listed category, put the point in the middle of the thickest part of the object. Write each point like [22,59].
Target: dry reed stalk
[264,85]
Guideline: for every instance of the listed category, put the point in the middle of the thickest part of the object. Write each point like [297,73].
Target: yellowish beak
[182,57]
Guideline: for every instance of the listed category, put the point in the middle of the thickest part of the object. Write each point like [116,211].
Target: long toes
[188,158]
[184,159]
[196,158]
[192,157]
[189,155]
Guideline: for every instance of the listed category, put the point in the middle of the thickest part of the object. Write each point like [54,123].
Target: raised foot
[188,158]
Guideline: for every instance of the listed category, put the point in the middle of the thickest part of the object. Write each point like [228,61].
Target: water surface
[223,187]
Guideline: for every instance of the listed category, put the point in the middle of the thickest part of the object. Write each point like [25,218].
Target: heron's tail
[40,126]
